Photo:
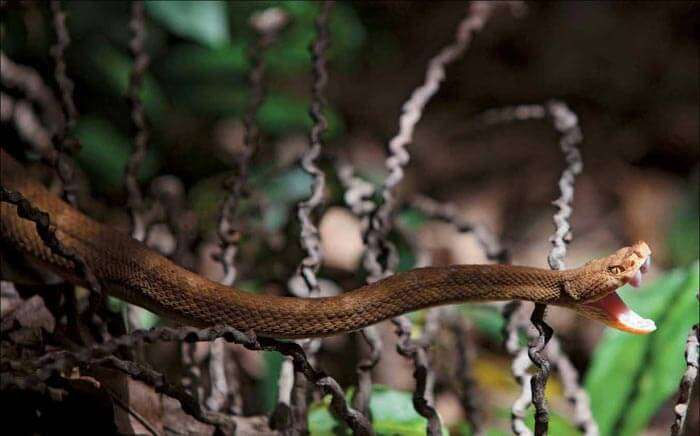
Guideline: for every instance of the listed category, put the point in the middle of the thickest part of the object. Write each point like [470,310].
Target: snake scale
[130,271]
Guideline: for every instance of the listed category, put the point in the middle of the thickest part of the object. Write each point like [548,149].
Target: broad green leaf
[622,360]
[665,363]
[105,151]
[203,21]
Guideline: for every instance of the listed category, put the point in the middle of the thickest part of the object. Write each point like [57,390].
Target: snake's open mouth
[621,317]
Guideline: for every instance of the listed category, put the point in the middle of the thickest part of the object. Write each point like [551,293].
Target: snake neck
[473,283]
[406,292]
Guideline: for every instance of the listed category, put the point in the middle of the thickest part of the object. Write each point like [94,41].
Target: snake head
[598,299]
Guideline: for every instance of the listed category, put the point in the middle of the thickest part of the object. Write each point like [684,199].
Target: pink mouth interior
[622,317]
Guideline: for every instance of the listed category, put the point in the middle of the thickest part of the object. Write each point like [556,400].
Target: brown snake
[130,271]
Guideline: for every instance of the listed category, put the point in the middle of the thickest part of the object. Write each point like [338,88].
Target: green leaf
[623,365]
[558,425]
[412,219]
[322,422]
[348,34]
[267,388]
[392,414]
[115,304]
[407,258]
[203,21]
[487,319]
[147,319]
[288,187]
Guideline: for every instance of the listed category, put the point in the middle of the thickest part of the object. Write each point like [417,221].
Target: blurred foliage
[198,71]
[105,152]
[392,414]
[632,376]
[684,234]
[203,21]
[280,191]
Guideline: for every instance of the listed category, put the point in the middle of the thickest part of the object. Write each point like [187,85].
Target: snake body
[130,271]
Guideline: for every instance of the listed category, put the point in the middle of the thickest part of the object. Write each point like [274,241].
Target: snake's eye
[615,269]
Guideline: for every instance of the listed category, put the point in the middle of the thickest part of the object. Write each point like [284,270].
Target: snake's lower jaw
[614,312]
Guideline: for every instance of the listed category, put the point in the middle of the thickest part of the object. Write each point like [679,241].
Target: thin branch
[685,389]
[422,394]
[138,120]
[566,123]
[47,233]
[267,24]
[309,236]
[447,212]
[47,364]
[28,80]
[573,392]
[412,111]
[310,240]
[381,258]
[65,84]
[466,383]
[539,380]
[158,381]
[28,126]
[66,144]
[134,202]
[358,195]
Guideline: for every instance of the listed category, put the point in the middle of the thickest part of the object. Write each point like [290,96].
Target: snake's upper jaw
[614,312]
